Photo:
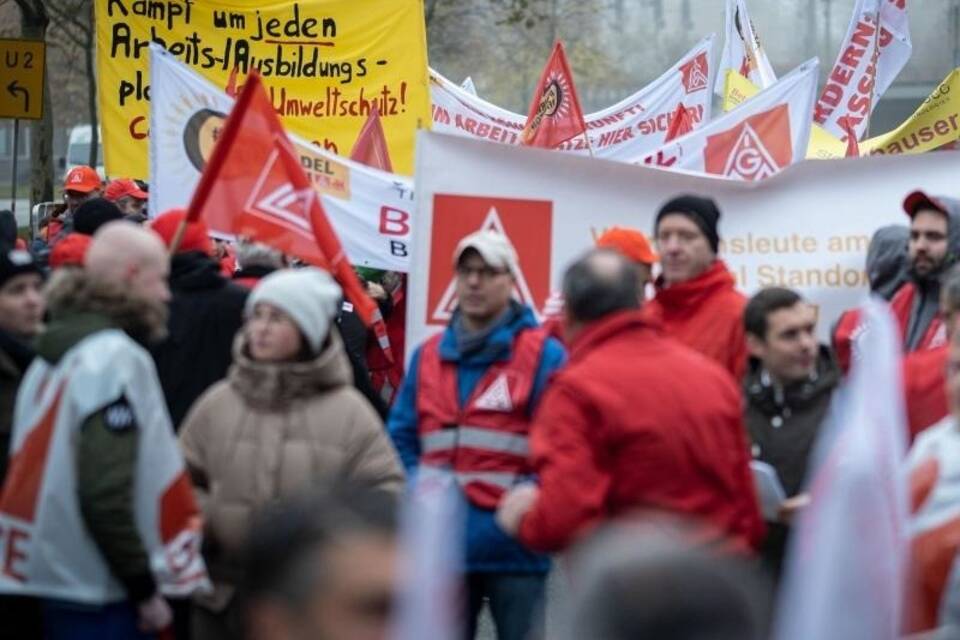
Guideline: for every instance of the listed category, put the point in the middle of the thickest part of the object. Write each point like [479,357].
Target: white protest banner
[806,228]
[870,57]
[634,126]
[756,140]
[369,209]
[742,50]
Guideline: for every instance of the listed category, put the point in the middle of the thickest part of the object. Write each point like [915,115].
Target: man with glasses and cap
[465,407]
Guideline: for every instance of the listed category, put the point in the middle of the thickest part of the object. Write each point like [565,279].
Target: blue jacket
[489,549]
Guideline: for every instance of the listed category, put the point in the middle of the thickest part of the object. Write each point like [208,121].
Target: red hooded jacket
[925,381]
[706,314]
[636,421]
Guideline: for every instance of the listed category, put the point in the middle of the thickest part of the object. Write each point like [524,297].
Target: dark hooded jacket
[888,269]
[205,314]
[917,304]
[888,260]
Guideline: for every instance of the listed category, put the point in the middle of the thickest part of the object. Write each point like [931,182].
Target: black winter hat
[703,211]
[15,262]
[93,214]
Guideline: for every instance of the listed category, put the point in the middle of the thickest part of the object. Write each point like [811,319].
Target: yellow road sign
[21,78]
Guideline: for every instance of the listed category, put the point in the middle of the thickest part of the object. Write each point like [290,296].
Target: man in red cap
[128,197]
[934,246]
[81,184]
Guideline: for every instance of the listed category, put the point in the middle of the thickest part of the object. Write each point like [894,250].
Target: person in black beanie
[21,318]
[93,214]
[696,299]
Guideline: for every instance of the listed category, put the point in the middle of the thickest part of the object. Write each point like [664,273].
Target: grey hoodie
[888,260]
[926,302]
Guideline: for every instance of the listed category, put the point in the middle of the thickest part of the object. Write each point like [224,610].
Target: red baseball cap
[122,187]
[630,243]
[195,236]
[920,200]
[82,179]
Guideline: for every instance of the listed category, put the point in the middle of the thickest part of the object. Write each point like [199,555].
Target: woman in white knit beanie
[286,420]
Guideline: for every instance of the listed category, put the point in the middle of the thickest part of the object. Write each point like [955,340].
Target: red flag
[231,88]
[371,145]
[555,114]
[853,145]
[680,123]
[254,187]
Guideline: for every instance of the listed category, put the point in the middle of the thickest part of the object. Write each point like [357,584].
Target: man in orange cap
[81,184]
[633,246]
[125,193]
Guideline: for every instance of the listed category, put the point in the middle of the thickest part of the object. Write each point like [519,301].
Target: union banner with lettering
[806,228]
[325,63]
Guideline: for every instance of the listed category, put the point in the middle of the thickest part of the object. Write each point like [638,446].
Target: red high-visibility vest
[484,443]
[902,304]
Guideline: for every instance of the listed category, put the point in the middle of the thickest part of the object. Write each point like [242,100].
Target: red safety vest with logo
[484,443]
[902,304]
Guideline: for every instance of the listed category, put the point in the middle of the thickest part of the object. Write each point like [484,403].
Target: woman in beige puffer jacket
[286,420]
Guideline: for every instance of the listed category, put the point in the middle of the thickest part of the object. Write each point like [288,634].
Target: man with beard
[96,498]
[934,246]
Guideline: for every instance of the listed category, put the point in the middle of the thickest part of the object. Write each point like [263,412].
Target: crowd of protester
[151,374]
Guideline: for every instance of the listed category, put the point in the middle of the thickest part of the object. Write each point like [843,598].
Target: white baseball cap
[493,247]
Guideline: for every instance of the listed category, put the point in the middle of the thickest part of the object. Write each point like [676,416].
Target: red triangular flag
[371,145]
[254,187]
[231,88]
[853,145]
[680,123]
[555,114]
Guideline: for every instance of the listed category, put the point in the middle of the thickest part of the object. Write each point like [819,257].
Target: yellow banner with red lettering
[934,124]
[325,63]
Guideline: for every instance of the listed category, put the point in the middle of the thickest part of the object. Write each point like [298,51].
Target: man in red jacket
[934,246]
[696,300]
[635,421]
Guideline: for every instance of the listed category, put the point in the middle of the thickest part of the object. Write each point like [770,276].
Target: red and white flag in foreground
[555,114]
[847,560]
[433,524]
[754,141]
[254,187]
[742,50]
[877,46]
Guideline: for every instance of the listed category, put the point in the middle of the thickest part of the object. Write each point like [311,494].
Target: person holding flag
[466,407]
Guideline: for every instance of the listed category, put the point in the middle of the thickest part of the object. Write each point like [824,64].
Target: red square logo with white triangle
[696,74]
[527,223]
[757,148]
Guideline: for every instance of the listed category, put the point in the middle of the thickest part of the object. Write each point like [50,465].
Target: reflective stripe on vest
[483,442]
[500,479]
[476,437]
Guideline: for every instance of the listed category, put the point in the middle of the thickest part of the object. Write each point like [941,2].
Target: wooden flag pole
[587,139]
[178,236]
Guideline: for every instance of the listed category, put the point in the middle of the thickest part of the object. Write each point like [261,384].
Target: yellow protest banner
[934,124]
[737,89]
[325,64]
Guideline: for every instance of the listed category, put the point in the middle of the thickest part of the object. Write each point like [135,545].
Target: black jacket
[354,334]
[782,424]
[15,357]
[205,314]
